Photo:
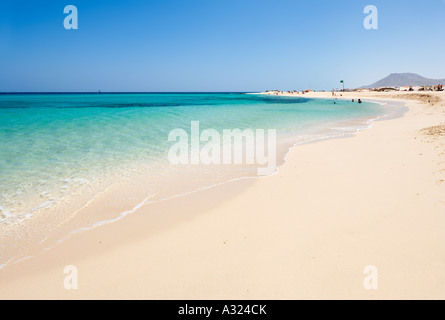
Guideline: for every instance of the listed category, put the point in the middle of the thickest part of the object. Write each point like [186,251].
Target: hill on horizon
[404,79]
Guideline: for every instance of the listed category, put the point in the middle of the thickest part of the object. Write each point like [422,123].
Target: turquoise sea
[53,145]
[51,142]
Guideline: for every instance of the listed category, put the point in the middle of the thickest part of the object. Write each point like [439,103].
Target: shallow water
[52,145]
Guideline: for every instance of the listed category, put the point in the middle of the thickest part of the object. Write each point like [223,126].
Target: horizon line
[123,92]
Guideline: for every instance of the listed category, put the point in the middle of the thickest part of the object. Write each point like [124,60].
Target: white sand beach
[373,199]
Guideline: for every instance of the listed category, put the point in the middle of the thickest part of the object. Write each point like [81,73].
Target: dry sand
[337,206]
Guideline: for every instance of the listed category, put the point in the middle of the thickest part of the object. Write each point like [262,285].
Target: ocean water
[55,146]
[52,143]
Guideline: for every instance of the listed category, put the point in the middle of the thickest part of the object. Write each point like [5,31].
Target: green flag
[341,81]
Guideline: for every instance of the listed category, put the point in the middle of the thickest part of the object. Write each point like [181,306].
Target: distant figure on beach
[353,100]
[359,101]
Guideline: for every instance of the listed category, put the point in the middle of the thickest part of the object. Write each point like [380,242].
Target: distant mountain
[405,79]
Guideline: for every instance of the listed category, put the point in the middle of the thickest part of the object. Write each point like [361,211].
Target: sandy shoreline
[308,232]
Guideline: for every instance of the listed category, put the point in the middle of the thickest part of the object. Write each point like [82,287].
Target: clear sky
[215,45]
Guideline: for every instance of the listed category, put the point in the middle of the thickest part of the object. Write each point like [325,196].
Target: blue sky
[215,45]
